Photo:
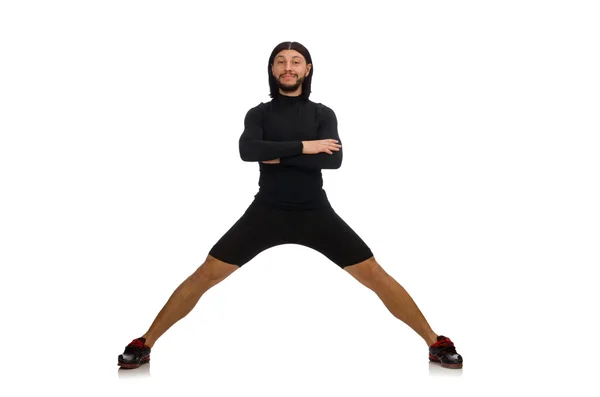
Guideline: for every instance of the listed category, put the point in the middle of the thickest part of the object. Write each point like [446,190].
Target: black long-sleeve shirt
[276,129]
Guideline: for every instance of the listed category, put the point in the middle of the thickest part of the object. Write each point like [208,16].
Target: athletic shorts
[263,226]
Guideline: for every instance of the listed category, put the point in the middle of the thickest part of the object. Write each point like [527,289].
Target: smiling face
[289,70]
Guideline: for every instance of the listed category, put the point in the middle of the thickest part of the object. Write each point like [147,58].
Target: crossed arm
[254,148]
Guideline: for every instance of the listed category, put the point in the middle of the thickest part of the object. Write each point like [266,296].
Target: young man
[292,138]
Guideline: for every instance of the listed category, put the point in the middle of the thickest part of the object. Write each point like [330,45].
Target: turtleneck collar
[288,99]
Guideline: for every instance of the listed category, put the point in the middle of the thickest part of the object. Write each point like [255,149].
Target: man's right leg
[187,295]
[257,230]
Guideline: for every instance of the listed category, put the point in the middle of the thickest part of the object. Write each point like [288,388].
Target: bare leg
[394,297]
[187,295]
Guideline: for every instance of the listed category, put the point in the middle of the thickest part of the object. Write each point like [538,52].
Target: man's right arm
[254,148]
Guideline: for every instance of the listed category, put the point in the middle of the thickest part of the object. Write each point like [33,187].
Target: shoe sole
[453,366]
[144,360]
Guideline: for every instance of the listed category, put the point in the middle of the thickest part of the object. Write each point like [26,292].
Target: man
[292,138]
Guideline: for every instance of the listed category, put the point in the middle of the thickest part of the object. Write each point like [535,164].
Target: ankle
[431,338]
[149,340]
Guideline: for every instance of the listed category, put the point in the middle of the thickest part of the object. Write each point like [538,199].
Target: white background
[471,169]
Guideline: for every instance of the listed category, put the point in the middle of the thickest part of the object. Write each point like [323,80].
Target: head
[290,58]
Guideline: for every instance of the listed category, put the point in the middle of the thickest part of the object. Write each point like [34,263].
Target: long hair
[290,45]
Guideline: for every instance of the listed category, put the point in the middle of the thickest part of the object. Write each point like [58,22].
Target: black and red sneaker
[136,353]
[444,353]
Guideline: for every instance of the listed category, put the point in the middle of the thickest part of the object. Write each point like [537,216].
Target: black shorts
[263,226]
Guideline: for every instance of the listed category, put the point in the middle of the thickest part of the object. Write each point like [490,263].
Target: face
[290,63]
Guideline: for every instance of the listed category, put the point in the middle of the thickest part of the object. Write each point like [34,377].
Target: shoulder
[324,112]
[321,107]
[260,107]
[257,111]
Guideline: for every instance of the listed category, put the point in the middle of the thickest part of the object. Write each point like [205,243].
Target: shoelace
[446,344]
[136,343]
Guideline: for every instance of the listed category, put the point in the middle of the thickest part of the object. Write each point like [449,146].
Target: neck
[295,93]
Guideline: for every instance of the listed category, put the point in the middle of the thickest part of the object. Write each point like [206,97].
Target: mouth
[288,77]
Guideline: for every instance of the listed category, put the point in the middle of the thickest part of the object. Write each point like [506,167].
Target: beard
[291,85]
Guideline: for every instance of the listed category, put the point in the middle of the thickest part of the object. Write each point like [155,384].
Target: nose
[288,67]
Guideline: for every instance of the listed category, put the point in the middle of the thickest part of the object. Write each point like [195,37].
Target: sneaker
[136,353]
[444,353]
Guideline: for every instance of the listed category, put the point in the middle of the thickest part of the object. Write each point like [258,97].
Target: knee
[213,270]
[368,272]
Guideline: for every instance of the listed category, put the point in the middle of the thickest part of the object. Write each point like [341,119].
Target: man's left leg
[394,296]
[325,231]
[401,305]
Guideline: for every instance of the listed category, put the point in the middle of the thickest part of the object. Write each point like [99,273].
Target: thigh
[258,229]
[325,231]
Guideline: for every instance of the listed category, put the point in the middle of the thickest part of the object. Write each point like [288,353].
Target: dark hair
[290,45]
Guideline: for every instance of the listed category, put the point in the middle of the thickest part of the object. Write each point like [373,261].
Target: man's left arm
[327,129]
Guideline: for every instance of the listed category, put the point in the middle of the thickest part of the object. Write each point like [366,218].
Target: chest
[296,123]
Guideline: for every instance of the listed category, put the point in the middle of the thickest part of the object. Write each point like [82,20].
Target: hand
[276,161]
[323,145]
